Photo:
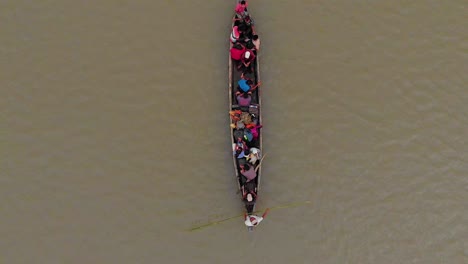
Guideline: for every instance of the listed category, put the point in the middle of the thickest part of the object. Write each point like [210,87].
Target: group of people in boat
[246,134]
[244,115]
[245,41]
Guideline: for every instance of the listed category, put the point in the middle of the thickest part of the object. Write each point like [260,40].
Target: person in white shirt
[252,220]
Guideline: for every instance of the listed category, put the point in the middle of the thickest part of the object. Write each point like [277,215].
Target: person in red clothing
[237,51]
[247,58]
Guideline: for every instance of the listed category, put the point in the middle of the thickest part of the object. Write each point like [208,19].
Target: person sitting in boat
[235,34]
[249,192]
[235,115]
[249,197]
[249,22]
[249,29]
[246,118]
[246,85]
[248,172]
[241,9]
[245,26]
[241,143]
[243,31]
[237,51]
[240,153]
[254,155]
[256,43]
[248,187]
[254,129]
[238,32]
[248,137]
[239,119]
[241,150]
[246,61]
[244,99]
[250,46]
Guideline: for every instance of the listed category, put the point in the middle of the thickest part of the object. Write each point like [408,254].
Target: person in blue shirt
[246,85]
[240,149]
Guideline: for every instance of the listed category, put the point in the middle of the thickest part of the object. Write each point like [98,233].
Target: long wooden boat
[255,110]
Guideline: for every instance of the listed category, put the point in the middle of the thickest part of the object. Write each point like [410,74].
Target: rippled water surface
[114,132]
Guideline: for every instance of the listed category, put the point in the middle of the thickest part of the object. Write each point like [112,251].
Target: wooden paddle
[297,204]
[266,212]
[260,164]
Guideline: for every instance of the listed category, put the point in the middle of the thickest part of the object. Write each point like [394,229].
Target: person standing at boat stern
[252,220]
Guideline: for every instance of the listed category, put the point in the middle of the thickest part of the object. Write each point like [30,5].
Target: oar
[260,163]
[289,205]
[242,215]
[265,213]
[213,223]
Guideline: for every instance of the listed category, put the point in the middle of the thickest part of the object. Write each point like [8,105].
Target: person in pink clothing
[254,131]
[248,172]
[241,8]
[243,99]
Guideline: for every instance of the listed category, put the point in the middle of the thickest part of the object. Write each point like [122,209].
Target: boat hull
[256,112]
